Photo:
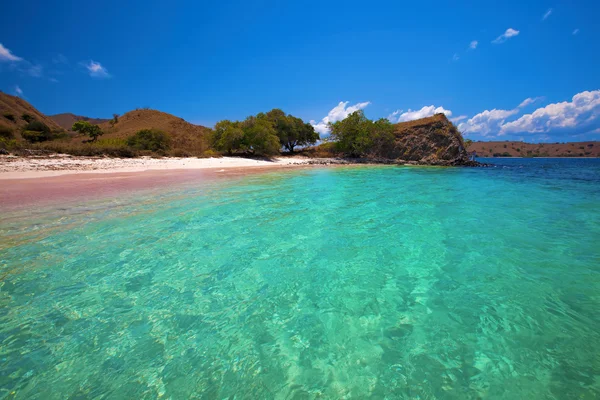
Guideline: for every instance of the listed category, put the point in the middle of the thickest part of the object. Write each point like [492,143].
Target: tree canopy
[228,136]
[263,134]
[260,136]
[356,135]
[291,131]
[84,127]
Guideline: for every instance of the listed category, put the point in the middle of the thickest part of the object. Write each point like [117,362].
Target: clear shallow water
[328,283]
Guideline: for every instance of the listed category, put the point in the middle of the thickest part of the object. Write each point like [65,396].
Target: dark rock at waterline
[387,161]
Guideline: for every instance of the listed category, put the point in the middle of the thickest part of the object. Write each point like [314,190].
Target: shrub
[6,132]
[9,116]
[111,142]
[36,136]
[87,149]
[37,126]
[211,153]
[150,139]
[27,118]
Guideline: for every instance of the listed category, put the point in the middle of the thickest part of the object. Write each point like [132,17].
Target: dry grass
[16,107]
[324,150]
[409,125]
[186,139]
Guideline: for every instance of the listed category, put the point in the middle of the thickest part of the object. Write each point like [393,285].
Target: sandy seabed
[28,181]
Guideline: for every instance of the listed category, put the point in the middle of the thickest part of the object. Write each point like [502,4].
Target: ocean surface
[381,282]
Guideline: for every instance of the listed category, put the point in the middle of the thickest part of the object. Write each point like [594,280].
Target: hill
[66,120]
[186,138]
[522,149]
[12,108]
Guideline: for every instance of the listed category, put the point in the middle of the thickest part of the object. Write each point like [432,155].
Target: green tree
[382,136]
[84,127]
[291,131]
[358,136]
[260,137]
[469,142]
[352,134]
[228,136]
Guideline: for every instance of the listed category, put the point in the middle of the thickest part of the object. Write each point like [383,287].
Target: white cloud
[528,101]
[35,70]
[24,66]
[455,57]
[458,119]
[96,70]
[7,55]
[427,111]
[60,59]
[510,32]
[487,122]
[18,91]
[53,80]
[473,44]
[547,14]
[581,113]
[576,31]
[337,113]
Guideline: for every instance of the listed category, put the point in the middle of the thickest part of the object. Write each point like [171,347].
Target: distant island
[434,140]
[522,149]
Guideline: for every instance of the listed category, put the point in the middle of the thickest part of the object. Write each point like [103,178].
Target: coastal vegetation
[263,134]
[91,130]
[358,136]
[433,140]
[150,139]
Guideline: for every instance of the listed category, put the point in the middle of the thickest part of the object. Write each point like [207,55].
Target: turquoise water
[382,282]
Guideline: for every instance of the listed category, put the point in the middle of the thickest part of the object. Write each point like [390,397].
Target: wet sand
[28,192]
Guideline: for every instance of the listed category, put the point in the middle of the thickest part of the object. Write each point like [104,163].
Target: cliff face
[432,141]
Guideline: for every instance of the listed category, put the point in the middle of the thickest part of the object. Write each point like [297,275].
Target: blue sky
[533,73]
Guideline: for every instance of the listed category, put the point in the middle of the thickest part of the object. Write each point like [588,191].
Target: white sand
[12,167]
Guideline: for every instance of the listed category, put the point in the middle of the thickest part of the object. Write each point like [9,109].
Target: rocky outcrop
[429,141]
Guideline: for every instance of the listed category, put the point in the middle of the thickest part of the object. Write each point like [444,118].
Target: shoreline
[17,168]
[24,189]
